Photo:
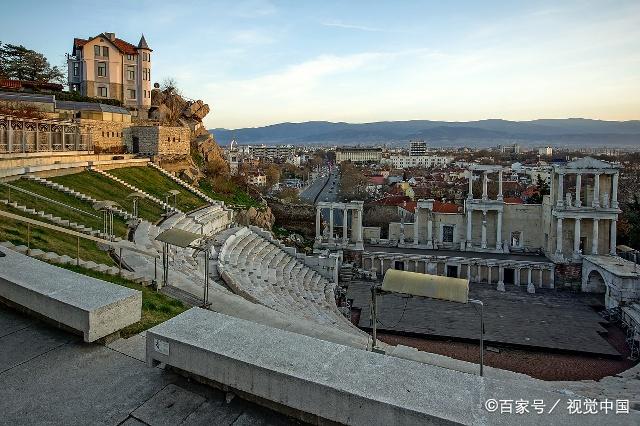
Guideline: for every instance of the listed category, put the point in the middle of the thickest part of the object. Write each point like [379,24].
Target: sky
[260,62]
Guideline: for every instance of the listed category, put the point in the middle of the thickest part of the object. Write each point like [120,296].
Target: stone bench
[93,307]
[314,379]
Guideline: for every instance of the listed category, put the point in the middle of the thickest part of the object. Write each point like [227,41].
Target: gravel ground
[539,364]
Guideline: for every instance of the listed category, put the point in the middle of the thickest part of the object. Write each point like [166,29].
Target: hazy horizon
[259,62]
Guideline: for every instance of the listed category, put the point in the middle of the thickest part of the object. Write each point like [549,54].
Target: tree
[19,63]
[272,172]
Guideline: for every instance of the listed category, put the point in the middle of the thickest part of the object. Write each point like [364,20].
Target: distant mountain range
[556,132]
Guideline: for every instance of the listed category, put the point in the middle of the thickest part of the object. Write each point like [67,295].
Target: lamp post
[175,193]
[135,196]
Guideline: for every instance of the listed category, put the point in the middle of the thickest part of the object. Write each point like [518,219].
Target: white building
[418,148]
[426,161]
[359,155]
[547,150]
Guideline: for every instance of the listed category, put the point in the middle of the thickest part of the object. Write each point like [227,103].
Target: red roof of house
[376,180]
[440,207]
[530,191]
[123,46]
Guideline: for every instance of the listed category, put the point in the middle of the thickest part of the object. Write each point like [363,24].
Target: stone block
[93,307]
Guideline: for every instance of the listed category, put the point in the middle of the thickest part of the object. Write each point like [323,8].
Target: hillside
[558,132]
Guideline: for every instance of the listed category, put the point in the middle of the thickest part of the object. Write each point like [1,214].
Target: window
[447,234]
[146,74]
[102,92]
[102,69]
[129,57]
[76,69]
[96,50]
[105,51]
[132,94]
[131,72]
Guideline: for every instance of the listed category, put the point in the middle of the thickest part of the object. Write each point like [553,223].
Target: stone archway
[596,282]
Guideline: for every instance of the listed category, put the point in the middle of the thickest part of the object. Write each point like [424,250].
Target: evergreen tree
[19,63]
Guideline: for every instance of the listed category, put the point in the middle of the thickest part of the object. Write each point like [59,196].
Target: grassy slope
[156,307]
[103,188]
[119,226]
[239,198]
[155,183]
[49,240]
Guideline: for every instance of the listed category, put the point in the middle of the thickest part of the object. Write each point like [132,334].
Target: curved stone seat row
[263,272]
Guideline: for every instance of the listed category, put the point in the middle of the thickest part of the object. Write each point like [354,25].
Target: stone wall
[568,276]
[163,141]
[107,136]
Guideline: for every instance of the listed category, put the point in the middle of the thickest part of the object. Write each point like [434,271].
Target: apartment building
[359,155]
[105,66]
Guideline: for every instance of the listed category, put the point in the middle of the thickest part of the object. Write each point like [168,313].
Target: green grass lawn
[103,188]
[119,226]
[239,198]
[49,240]
[155,183]
[156,307]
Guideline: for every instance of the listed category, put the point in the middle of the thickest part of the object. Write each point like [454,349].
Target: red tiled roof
[392,200]
[376,180]
[410,206]
[440,207]
[123,46]
[513,200]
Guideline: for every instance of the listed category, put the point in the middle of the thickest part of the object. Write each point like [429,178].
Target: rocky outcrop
[300,218]
[262,218]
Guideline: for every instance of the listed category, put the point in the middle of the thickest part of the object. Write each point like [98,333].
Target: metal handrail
[42,197]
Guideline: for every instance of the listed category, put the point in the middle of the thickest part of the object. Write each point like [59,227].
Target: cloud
[338,24]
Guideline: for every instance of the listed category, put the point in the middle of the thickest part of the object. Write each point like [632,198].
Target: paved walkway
[547,319]
[51,377]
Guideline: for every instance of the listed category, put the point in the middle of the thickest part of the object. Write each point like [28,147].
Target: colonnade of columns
[491,271]
[19,135]
[356,209]
[598,210]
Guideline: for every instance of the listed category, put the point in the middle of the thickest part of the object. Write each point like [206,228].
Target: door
[136,145]
[452,271]
[509,275]
[399,265]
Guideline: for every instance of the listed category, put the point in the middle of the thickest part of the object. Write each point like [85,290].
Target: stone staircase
[184,184]
[135,189]
[52,257]
[58,220]
[79,195]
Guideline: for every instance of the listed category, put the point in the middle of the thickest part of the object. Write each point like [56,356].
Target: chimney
[111,36]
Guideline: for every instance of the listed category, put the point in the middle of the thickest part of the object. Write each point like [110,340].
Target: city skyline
[258,62]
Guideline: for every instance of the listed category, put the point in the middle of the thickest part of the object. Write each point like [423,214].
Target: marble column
[576,238]
[488,274]
[516,276]
[318,219]
[331,223]
[541,278]
[430,230]
[559,235]
[469,234]
[614,191]
[530,287]
[612,238]
[470,175]
[499,232]
[560,201]
[578,189]
[485,181]
[345,213]
[500,196]
[500,278]
[469,271]
[595,237]
[596,190]
[416,227]
[484,229]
